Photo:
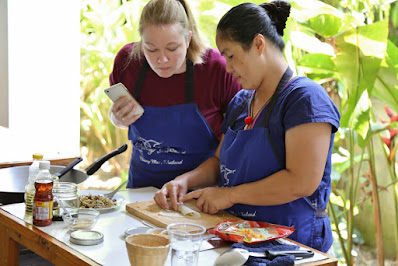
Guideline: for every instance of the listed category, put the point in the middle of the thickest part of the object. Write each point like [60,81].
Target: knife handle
[296,253]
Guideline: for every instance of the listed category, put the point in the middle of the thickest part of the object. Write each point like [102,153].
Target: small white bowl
[135,230]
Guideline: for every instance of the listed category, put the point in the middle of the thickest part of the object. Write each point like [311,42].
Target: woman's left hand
[211,199]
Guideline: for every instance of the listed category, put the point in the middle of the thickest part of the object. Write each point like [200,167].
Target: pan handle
[99,162]
[68,167]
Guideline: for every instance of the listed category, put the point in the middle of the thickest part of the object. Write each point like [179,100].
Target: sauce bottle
[43,200]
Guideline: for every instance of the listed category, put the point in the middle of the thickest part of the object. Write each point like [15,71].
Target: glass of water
[185,242]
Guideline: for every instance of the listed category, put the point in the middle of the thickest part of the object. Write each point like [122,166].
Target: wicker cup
[147,249]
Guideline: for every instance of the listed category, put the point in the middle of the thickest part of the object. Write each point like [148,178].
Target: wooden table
[52,242]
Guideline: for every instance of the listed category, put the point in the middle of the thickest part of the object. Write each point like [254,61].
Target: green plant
[346,48]
[390,149]
[105,26]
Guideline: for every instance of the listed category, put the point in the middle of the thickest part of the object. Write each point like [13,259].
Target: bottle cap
[37,156]
[44,165]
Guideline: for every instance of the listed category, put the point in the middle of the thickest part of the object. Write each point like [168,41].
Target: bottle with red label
[43,200]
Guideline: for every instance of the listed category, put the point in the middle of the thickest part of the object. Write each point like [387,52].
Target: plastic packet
[250,232]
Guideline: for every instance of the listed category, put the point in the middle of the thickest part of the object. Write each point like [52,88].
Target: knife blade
[212,243]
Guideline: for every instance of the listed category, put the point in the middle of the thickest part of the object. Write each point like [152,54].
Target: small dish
[135,230]
[86,237]
[81,219]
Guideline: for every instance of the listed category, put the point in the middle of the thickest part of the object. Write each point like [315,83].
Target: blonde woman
[184,89]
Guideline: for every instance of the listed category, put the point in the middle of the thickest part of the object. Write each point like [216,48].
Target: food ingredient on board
[183,211]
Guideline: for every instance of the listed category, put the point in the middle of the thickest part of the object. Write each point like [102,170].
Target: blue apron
[248,156]
[168,141]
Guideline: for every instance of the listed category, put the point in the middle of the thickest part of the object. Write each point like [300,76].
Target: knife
[212,243]
[239,256]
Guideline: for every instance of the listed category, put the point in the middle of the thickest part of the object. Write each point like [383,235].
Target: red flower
[393,133]
[387,141]
[388,110]
[394,118]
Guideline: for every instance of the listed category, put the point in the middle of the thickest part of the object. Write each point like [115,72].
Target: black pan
[14,179]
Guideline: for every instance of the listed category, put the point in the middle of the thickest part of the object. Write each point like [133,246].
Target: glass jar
[67,193]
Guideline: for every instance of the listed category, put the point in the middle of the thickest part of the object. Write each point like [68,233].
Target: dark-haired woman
[274,161]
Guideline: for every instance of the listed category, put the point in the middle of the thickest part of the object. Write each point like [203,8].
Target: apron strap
[189,86]
[189,82]
[285,80]
[239,111]
[265,124]
[140,80]
[320,213]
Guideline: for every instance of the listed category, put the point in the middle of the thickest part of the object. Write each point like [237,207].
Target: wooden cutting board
[149,211]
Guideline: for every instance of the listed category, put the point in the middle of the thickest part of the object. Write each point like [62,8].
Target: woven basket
[147,249]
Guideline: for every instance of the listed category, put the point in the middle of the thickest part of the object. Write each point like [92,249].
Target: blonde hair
[165,12]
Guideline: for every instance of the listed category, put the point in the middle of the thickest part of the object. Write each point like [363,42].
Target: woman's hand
[121,116]
[174,190]
[211,199]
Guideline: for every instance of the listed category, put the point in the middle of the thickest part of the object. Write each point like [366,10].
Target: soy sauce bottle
[43,200]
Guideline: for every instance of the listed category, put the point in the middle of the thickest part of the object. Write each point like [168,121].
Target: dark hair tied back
[244,22]
[278,12]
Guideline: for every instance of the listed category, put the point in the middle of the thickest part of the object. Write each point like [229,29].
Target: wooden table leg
[9,251]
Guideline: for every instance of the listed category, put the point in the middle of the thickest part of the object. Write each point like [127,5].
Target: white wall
[43,79]
[3,64]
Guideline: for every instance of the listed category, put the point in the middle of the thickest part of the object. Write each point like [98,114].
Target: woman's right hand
[174,190]
[121,116]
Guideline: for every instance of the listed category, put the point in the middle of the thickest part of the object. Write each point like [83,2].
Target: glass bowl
[81,219]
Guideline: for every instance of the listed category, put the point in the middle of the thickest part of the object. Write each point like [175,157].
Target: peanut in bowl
[81,219]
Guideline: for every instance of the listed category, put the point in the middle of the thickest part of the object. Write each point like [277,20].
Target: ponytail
[278,12]
[197,46]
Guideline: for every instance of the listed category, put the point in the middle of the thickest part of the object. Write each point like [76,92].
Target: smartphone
[117,91]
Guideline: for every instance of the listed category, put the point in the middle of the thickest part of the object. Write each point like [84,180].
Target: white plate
[119,199]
